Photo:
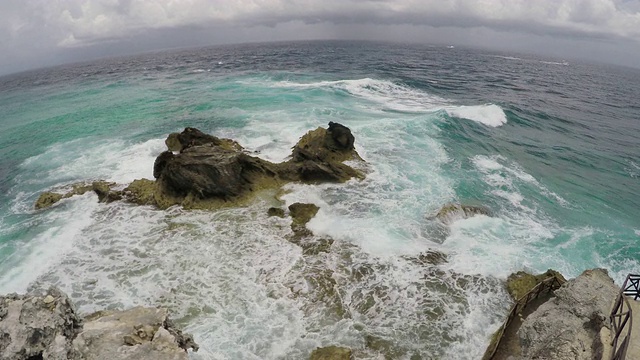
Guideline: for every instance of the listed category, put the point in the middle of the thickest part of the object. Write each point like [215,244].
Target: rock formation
[202,171]
[568,326]
[451,212]
[46,326]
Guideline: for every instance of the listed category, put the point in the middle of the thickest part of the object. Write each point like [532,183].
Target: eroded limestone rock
[452,212]
[46,326]
[568,326]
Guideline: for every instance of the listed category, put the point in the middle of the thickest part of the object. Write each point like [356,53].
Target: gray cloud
[40,32]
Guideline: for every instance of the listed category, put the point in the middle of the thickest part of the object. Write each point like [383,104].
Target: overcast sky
[36,33]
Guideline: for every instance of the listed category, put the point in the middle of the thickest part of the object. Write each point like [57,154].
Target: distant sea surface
[551,147]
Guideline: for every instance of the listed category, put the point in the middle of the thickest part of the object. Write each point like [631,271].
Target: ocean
[551,147]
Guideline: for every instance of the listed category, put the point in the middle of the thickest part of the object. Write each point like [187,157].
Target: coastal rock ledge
[46,326]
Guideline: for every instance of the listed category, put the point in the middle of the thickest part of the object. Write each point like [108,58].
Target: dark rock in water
[274,211]
[520,283]
[451,212]
[300,216]
[331,353]
[212,171]
[341,136]
[45,326]
[161,162]
[38,325]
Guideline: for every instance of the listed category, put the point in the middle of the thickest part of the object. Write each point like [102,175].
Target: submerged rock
[331,353]
[274,211]
[46,326]
[451,212]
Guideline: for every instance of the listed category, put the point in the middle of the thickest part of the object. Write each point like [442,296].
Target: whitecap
[490,114]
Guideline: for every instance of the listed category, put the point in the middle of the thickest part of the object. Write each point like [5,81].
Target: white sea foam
[58,232]
[490,114]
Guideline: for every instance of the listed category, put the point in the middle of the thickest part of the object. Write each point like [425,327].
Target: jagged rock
[194,137]
[274,211]
[520,283]
[568,326]
[331,353]
[45,326]
[37,325]
[451,212]
[137,333]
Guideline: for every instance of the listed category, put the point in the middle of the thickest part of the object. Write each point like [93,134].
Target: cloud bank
[45,29]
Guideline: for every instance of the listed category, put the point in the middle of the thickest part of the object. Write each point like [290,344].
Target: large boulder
[568,326]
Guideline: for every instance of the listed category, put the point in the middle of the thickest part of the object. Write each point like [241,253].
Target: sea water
[549,146]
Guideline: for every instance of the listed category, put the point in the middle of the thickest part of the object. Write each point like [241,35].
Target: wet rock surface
[520,283]
[46,326]
[452,212]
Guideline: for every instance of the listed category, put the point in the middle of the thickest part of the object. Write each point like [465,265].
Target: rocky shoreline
[201,171]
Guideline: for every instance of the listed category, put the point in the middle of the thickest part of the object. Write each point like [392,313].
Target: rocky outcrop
[331,353]
[568,326]
[452,212]
[202,171]
[103,189]
[46,326]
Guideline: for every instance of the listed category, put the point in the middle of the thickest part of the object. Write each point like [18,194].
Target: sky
[37,33]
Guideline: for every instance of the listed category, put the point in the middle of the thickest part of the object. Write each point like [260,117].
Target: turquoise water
[550,147]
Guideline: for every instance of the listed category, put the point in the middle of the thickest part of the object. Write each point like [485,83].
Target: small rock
[49,299]
[274,211]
